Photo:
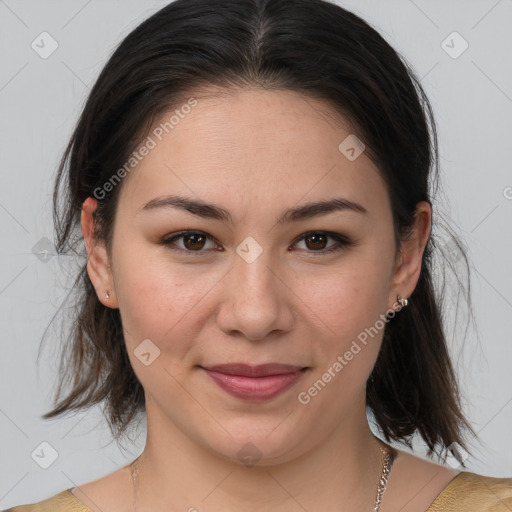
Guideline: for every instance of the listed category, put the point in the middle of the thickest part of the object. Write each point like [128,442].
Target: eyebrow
[212,211]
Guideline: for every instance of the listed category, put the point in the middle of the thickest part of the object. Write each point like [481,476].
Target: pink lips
[255,383]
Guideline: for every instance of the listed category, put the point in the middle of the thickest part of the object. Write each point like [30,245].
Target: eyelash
[342,242]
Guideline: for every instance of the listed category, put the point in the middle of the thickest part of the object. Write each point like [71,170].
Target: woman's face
[246,286]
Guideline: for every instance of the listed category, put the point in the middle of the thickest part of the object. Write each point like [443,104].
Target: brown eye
[194,241]
[189,242]
[316,241]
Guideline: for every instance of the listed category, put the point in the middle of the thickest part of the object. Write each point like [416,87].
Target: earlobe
[408,270]
[98,264]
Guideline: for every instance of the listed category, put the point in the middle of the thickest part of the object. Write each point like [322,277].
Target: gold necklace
[388,457]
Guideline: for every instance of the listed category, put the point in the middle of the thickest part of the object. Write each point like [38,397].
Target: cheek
[161,304]
[158,300]
[349,305]
[349,298]
[344,355]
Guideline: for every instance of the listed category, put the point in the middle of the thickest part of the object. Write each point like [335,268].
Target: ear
[408,267]
[98,264]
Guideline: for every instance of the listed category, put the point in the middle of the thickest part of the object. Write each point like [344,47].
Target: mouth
[255,383]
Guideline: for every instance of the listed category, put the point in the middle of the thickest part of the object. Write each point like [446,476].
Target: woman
[253,181]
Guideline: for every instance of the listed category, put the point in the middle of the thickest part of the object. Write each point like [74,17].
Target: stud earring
[402,302]
[107,295]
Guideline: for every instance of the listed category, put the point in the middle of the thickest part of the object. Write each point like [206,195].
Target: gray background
[40,100]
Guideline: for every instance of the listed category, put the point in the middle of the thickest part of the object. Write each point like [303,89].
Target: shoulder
[470,492]
[65,501]
[111,492]
[419,484]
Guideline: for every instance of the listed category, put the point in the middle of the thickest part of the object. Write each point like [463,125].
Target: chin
[267,445]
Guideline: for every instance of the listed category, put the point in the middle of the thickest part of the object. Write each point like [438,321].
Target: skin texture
[256,154]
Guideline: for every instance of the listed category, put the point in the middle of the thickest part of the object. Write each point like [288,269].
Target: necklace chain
[387,462]
[389,457]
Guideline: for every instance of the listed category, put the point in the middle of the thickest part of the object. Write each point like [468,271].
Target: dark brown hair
[309,46]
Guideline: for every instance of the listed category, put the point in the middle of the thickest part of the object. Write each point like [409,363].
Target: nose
[256,299]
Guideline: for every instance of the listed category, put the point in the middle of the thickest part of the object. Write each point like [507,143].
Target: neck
[341,472]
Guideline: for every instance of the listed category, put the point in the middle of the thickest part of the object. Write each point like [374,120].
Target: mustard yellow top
[467,492]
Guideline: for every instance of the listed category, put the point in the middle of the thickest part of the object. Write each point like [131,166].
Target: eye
[317,240]
[192,242]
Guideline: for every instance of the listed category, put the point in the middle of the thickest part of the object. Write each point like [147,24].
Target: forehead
[278,145]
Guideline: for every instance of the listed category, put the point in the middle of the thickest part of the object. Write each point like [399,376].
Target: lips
[255,383]
[262,370]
